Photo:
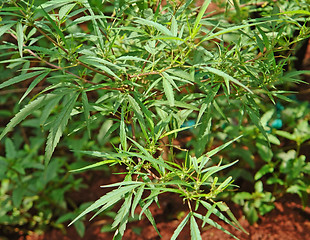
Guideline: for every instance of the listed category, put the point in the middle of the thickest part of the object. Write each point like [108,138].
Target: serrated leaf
[99,63]
[64,10]
[168,92]
[158,26]
[27,110]
[195,232]
[20,38]
[177,231]
[137,199]
[33,84]
[111,197]
[121,217]
[149,215]
[58,127]
[19,78]
[226,77]
[174,27]
[215,224]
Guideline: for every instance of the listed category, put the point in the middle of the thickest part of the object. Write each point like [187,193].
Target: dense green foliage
[123,81]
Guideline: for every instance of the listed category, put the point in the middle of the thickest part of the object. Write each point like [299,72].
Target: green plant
[148,70]
[32,195]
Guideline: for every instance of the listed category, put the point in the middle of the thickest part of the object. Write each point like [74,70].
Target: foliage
[32,195]
[143,74]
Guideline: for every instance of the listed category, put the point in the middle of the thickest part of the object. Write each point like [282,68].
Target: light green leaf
[20,38]
[195,232]
[301,12]
[27,110]
[200,15]
[149,215]
[107,200]
[33,84]
[19,78]
[226,76]
[158,26]
[58,30]
[168,92]
[86,112]
[99,63]
[174,27]
[10,151]
[64,10]
[132,58]
[58,127]
[220,148]
[137,199]
[123,131]
[215,224]
[121,217]
[5,28]
[180,227]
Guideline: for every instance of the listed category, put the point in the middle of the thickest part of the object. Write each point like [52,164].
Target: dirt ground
[288,221]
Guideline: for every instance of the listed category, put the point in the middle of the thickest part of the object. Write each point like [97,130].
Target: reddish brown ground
[288,221]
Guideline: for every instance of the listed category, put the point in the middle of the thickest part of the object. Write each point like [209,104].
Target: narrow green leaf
[210,171]
[58,127]
[168,92]
[10,151]
[210,211]
[301,12]
[211,94]
[174,27]
[33,84]
[215,224]
[123,131]
[223,207]
[17,196]
[27,110]
[220,148]
[265,38]
[20,78]
[195,232]
[64,10]
[200,15]
[99,63]
[158,26]
[121,217]
[59,32]
[113,196]
[226,76]
[4,29]
[174,131]
[132,58]
[137,199]
[180,227]
[20,38]
[149,216]
[86,108]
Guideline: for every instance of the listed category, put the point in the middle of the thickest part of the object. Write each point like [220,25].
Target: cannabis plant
[149,71]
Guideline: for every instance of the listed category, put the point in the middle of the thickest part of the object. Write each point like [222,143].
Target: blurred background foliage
[35,197]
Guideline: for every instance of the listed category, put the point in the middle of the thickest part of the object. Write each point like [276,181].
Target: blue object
[189,123]
[277,124]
